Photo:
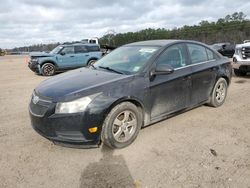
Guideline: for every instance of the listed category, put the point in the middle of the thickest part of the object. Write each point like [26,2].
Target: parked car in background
[133,86]
[241,59]
[225,49]
[93,40]
[64,57]
[2,52]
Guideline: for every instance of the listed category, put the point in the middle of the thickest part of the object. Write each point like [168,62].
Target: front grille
[245,51]
[39,105]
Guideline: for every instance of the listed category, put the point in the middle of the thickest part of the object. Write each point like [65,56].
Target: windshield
[127,60]
[56,50]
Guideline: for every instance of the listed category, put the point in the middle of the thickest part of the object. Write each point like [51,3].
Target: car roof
[152,43]
[79,43]
[160,42]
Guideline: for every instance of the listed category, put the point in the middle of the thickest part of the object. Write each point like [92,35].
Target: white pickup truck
[241,59]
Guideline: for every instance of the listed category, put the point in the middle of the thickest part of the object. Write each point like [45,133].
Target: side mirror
[62,53]
[162,69]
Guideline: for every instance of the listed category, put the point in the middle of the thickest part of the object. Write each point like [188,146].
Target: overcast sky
[25,22]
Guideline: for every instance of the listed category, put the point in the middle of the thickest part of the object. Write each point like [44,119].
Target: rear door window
[80,49]
[197,53]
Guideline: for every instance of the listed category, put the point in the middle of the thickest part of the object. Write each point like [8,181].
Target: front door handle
[72,56]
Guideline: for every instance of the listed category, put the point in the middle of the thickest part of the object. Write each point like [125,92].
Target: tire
[91,62]
[128,120]
[238,72]
[219,93]
[48,69]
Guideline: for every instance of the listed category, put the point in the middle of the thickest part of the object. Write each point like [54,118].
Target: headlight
[78,105]
[34,60]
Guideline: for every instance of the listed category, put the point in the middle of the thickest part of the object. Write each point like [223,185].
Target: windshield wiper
[110,69]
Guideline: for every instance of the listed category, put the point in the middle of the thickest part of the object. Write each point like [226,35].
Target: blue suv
[64,57]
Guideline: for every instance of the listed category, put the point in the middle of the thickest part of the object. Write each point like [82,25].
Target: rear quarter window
[210,54]
[93,48]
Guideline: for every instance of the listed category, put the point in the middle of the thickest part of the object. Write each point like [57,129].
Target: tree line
[35,47]
[232,28]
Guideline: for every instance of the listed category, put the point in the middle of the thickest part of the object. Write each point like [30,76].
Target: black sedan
[132,87]
[225,49]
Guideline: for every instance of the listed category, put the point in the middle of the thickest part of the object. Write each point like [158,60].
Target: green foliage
[233,28]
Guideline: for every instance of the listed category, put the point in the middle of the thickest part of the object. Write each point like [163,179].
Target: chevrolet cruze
[132,87]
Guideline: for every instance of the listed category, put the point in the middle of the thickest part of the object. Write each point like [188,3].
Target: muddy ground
[204,147]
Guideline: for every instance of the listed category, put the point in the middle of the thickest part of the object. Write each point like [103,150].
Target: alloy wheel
[124,126]
[48,69]
[220,92]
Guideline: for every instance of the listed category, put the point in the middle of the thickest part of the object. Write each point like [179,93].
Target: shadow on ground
[110,172]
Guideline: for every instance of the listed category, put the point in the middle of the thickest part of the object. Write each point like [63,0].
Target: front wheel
[48,69]
[122,125]
[219,93]
[91,62]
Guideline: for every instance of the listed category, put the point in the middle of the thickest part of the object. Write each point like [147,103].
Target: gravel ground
[204,147]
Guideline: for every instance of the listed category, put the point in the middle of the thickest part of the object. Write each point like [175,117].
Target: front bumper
[242,65]
[34,66]
[69,130]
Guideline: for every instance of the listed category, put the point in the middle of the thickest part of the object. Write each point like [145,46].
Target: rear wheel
[122,125]
[48,69]
[219,93]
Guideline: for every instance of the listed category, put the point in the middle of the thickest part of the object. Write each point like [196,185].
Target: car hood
[40,54]
[79,83]
[243,45]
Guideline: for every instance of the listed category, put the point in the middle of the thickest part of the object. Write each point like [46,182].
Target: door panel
[204,72]
[170,93]
[82,56]
[68,59]
[203,80]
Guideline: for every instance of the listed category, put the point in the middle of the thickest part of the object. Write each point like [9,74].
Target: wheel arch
[90,59]
[226,78]
[218,77]
[133,100]
[48,61]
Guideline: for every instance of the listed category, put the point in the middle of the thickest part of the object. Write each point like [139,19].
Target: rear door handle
[86,55]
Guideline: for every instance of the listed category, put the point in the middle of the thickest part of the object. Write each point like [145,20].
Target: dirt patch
[240,81]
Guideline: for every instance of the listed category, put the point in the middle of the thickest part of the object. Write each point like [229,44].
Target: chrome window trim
[195,64]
